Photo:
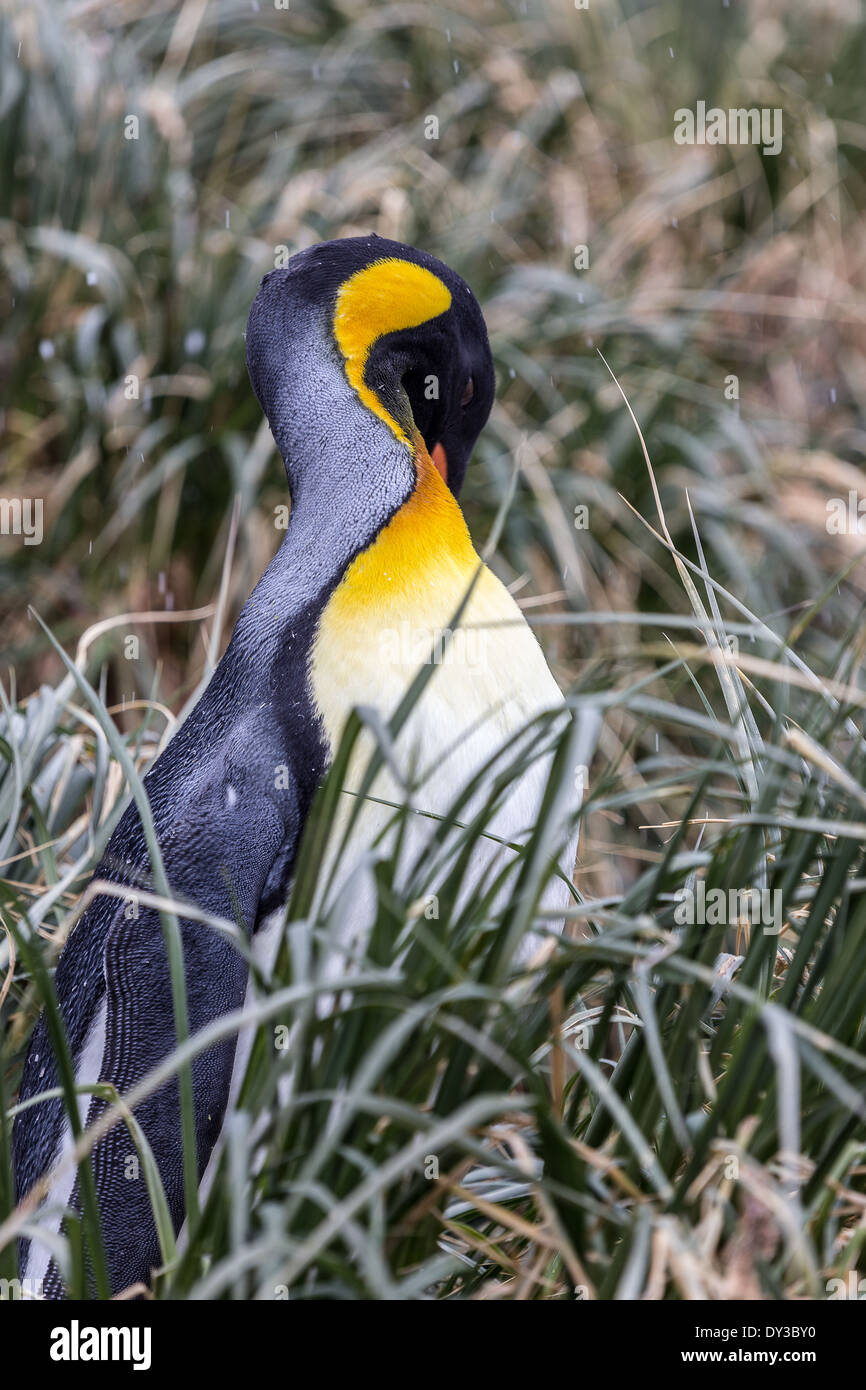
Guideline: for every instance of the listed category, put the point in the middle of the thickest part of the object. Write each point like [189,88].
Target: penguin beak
[440,461]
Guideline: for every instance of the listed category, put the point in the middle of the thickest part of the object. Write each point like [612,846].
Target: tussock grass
[647,1108]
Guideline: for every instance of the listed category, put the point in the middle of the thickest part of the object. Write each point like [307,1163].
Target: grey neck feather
[348,474]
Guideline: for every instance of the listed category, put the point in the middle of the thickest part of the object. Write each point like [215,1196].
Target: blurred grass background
[261,129]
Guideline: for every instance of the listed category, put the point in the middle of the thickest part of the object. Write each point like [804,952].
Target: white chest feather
[486,683]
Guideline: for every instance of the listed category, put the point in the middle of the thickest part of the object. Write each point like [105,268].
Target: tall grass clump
[661,1103]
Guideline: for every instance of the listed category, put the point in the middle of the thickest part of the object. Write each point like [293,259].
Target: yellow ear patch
[383,298]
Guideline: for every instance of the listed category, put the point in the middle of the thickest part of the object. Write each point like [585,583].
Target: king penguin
[371,362]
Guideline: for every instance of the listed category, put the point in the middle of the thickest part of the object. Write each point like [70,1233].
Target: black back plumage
[254,720]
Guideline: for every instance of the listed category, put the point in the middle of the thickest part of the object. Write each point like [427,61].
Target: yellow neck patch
[383,298]
[421,563]
[422,560]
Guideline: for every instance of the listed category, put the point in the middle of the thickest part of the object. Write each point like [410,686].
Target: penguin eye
[468,393]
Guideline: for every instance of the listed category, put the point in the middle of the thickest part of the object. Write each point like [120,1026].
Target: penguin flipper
[140,1032]
[113,986]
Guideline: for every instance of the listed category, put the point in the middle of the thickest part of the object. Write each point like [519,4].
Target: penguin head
[396,326]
